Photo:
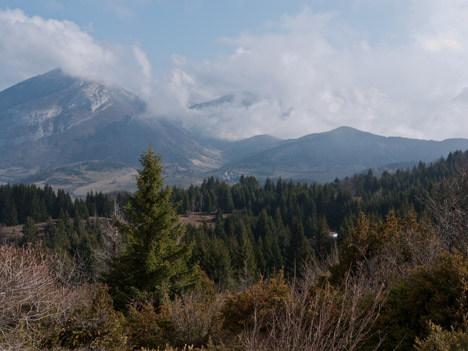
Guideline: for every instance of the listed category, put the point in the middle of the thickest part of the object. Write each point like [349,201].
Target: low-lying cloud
[313,73]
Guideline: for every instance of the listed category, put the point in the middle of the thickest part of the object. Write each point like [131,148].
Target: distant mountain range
[323,157]
[84,135]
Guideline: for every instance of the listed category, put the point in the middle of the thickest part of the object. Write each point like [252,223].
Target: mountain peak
[54,119]
[242,99]
[55,72]
[345,130]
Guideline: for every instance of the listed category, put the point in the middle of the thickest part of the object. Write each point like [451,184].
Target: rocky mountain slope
[54,119]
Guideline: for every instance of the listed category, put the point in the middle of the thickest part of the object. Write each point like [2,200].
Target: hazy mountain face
[55,103]
[54,119]
[341,152]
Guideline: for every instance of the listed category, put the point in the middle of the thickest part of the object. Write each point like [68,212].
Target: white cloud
[145,68]
[440,43]
[34,45]
[312,73]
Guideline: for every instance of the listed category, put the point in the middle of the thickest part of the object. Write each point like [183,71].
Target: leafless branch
[320,317]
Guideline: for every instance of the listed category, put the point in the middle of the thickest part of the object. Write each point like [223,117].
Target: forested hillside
[363,263]
[266,222]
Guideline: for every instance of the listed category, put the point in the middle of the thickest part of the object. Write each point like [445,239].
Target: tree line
[19,201]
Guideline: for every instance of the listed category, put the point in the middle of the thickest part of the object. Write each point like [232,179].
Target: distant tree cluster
[19,201]
[66,225]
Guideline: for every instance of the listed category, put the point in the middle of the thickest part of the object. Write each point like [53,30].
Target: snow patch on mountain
[39,116]
[97,95]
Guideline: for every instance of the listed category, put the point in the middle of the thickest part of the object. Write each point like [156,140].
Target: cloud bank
[303,73]
[312,73]
[33,45]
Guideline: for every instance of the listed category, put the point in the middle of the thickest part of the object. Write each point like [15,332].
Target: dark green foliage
[99,205]
[81,209]
[245,263]
[19,201]
[299,251]
[212,254]
[57,237]
[9,212]
[323,241]
[269,251]
[434,294]
[29,232]
[155,259]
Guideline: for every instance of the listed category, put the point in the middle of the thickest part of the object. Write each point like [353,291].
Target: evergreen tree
[225,198]
[58,236]
[217,262]
[219,226]
[155,259]
[246,266]
[300,251]
[78,225]
[10,214]
[323,240]
[29,232]
[81,209]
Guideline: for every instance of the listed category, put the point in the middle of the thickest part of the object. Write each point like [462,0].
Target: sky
[390,67]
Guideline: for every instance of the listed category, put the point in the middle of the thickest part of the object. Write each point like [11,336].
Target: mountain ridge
[338,153]
[54,120]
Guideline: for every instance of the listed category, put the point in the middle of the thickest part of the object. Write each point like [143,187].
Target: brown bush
[387,251]
[143,328]
[34,297]
[254,306]
[193,318]
[318,318]
[94,324]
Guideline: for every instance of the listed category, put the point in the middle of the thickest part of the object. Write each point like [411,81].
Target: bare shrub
[449,207]
[319,317]
[408,244]
[94,324]
[442,340]
[33,297]
[387,251]
[113,238]
[193,317]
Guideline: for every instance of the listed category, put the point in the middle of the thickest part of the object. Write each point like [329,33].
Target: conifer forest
[369,262]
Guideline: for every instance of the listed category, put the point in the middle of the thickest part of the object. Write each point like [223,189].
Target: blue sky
[392,67]
[193,28]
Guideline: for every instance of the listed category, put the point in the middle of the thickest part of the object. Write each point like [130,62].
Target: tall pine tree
[156,258]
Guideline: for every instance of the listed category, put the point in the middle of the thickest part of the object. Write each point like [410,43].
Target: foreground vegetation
[267,275]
